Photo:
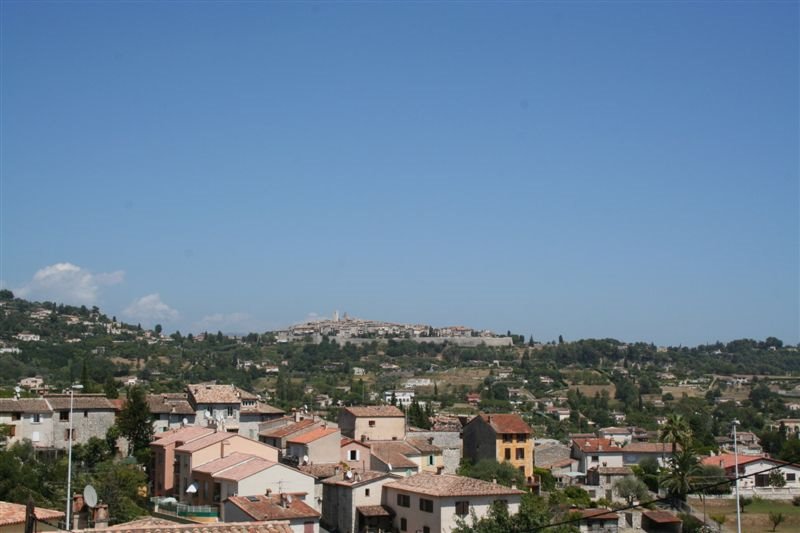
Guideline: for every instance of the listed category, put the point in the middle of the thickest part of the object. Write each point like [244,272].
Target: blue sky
[614,169]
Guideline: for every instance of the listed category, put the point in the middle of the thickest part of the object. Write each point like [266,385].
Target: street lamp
[73,388]
[736,462]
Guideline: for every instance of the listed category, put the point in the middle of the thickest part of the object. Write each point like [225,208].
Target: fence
[196,513]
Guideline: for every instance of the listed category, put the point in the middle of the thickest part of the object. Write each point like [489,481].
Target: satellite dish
[348,475]
[289,498]
[17,389]
[305,459]
[90,496]
[207,413]
[191,489]
[185,421]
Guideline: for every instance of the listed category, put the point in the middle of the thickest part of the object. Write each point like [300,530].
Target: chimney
[101,515]
[335,470]
[513,486]
[494,481]
[268,493]
[430,440]
[439,470]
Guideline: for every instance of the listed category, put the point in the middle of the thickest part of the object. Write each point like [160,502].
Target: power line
[664,499]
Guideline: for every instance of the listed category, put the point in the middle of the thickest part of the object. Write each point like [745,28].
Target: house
[600,480]
[320,445]
[381,422]
[473,399]
[31,383]
[756,470]
[598,520]
[28,418]
[635,452]
[352,501]
[170,411]
[229,408]
[356,455]
[27,336]
[432,503]
[277,433]
[621,436]
[209,448]
[559,413]
[284,507]
[445,435]
[403,397]
[163,464]
[242,474]
[596,452]
[13,516]
[409,455]
[92,416]
[504,437]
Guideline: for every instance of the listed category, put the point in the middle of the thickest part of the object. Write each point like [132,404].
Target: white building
[402,398]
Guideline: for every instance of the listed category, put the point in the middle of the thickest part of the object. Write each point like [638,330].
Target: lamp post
[72,390]
[736,462]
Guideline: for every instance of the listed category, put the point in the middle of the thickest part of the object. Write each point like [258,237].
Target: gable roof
[314,434]
[206,393]
[14,513]
[394,453]
[375,411]
[596,445]
[728,460]
[61,402]
[359,478]
[506,423]
[649,447]
[443,485]
[169,404]
[218,465]
[273,507]
[244,469]
[205,441]
[150,525]
[183,435]
[24,405]
[285,431]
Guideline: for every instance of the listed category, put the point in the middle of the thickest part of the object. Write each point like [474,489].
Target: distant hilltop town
[359,331]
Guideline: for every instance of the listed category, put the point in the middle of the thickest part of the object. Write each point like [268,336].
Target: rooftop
[206,393]
[314,434]
[273,507]
[218,465]
[185,434]
[24,405]
[169,404]
[505,423]
[375,411]
[14,513]
[205,441]
[245,469]
[285,431]
[596,445]
[366,476]
[443,485]
[61,402]
[157,525]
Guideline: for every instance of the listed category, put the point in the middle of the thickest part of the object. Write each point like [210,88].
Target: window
[63,415]
[15,416]
[508,454]
[404,500]
[791,477]
[522,437]
[230,411]
[403,524]
[372,423]
[595,458]
[86,414]
[66,434]
[426,529]
[352,455]
[430,460]
[366,492]
[520,453]
[462,508]
[36,418]
[508,437]
[426,505]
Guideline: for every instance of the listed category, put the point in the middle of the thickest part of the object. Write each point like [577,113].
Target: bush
[796,501]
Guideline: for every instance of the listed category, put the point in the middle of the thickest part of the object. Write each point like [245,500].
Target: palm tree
[677,431]
[678,477]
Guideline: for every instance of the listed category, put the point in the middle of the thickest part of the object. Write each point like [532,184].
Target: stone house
[276,507]
[170,411]
[382,422]
[352,500]
[229,408]
[431,503]
[355,454]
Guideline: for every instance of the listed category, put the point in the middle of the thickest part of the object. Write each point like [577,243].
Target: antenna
[90,496]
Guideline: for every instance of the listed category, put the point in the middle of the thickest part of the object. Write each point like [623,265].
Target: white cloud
[68,283]
[150,309]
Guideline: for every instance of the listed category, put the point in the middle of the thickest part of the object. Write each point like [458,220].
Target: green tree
[135,423]
[157,329]
[679,476]
[490,470]
[6,294]
[776,519]
[776,479]
[631,489]
[676,431]
[648,471]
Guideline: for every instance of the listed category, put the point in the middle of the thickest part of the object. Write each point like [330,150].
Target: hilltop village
[354,425]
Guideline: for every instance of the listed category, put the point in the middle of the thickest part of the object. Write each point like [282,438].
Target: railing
[198,513]
[768,493]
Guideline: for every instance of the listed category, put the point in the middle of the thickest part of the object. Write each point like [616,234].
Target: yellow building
[506,438]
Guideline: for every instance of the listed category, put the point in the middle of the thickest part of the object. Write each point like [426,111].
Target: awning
[374,510]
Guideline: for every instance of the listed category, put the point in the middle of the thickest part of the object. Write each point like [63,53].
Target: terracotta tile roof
[423,445]
[205,441]
[82,401]
[662,517]
[169,404]
[261,408]
[202,393]
[504,423]
[244,470]
[148,522]
[218,465]
[444,485]
[362,478]
[314,434]
[395,453]
[14,513]
[270,507]
[186,434]
[24,405]
[146,526]
[319,470]
[285,431]
[596,445]
[348,440]
[728,460]
[375,411]
[649,447]
[374,510]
